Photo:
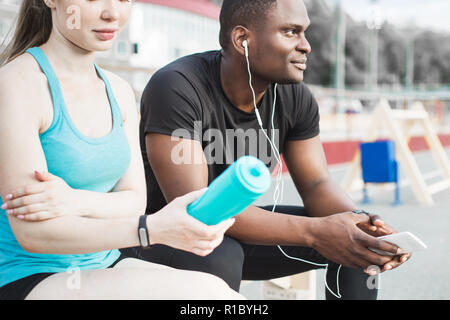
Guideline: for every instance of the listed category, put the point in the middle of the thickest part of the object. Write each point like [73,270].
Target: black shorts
[20,289]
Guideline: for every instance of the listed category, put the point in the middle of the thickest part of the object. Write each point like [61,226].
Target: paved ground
[427,274]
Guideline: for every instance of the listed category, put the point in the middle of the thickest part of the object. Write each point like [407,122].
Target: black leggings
[234,261]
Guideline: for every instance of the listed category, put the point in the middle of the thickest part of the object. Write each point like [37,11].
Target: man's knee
[226,258]
[225,262]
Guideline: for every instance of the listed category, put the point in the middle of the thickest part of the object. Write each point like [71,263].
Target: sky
[433,14]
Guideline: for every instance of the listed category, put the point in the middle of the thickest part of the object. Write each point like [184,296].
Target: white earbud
[245,45]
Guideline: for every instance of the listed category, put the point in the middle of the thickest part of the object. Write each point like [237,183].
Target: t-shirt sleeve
[170,106]
[306,115]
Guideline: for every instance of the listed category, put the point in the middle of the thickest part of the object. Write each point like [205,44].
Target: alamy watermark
[373,281]
[224,146]
[74,20]
[74,278]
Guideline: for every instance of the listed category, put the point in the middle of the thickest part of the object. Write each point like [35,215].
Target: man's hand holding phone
[353,236]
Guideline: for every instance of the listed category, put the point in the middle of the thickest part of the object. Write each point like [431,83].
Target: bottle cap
[253,174]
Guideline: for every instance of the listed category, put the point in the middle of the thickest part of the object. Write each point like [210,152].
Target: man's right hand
[339,238]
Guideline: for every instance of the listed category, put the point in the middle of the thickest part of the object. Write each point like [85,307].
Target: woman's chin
[97,46]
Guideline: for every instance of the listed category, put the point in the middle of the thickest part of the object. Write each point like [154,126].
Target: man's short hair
[241,13]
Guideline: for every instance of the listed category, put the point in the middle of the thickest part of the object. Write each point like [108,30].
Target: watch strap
[143,232]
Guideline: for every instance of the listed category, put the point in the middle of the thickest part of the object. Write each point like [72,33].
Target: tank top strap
[117,114]
[53,82]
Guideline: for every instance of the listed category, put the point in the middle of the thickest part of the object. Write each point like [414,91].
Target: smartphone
[405,240]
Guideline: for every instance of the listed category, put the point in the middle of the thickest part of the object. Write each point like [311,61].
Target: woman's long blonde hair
[33,28]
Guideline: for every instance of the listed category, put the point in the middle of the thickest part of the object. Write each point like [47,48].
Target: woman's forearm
[112,205]
[76,235]
[52,197]
[171,226]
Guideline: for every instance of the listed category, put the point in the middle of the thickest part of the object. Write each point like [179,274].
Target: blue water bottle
[232,192]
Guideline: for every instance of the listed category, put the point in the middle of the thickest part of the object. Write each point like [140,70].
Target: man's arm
[323,197]
[308,168]
[337,237]
[178,179]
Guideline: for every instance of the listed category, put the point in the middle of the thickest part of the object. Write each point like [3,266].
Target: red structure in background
[341,152]
[201,7]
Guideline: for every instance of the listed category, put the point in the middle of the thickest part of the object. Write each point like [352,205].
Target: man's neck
[235,83]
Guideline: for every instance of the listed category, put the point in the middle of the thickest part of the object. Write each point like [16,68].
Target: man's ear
[238,36]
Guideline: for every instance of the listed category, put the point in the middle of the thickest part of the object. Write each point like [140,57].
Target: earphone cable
[276,196]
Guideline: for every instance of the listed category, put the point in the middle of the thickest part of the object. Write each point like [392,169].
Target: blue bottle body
[232,192]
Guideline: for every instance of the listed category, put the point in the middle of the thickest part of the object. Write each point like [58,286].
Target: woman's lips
[106,34]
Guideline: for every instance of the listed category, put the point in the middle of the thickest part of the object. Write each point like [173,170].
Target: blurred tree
[432,58]
[392,56]
[357,55]
[321,36]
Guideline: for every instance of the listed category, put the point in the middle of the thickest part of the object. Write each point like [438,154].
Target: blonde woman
[72,182]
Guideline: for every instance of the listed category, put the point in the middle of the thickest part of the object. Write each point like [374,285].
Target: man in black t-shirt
[186,99]
[198,117]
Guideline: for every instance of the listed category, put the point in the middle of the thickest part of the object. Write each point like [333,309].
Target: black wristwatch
[360,211]
[143,232]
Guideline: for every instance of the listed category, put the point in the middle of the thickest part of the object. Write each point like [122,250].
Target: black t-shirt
[185,99]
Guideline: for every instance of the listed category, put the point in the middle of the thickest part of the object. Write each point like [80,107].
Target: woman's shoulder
[20,76]
[22,67]
[118,83]
[123,91]
[21,82]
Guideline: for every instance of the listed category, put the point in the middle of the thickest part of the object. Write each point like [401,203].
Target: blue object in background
[232,192]
[379,166]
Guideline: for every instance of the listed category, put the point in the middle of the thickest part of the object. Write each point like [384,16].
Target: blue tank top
[86,163]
